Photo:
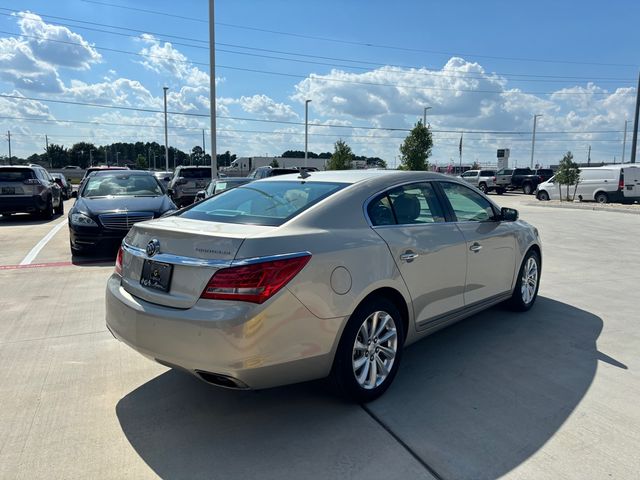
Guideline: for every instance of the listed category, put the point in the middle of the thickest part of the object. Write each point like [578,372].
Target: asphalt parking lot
[552,393]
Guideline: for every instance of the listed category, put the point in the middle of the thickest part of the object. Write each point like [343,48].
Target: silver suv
[186,183]
[484,180]
[29,189]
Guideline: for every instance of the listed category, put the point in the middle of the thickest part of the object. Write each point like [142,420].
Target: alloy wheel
[374,350]
[529,280]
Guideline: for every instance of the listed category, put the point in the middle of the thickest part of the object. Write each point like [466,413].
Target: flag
[460,147]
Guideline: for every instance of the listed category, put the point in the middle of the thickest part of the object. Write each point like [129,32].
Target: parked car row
[29,189]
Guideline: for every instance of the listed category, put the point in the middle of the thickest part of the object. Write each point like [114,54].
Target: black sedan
[64,184]
[109,203]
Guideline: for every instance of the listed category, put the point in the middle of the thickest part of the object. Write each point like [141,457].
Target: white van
[611,183]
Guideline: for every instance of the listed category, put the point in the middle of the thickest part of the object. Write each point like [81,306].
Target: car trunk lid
[193,249]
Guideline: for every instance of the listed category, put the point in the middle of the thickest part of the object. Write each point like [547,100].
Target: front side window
[406,205]
[468,206]
[263,203]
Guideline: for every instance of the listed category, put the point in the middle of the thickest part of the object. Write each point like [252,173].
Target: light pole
[624,141]
[212,88]
[424,116]
[117,159]
[166,135]
[533,137]
[306,131]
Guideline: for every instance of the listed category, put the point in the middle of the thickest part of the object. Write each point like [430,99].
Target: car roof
[112,171]
[234,179]
[187,167]
[357,176]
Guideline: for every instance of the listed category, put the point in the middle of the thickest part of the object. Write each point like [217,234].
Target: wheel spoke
[388,336]
[363,374]
[384,371]
[373,373]
[364,332]
[359,362]
[374,325]
[359,346]
[388,352]
[382,325]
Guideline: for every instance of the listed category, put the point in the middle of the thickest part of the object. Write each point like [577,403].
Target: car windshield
[121,185]
[15,174]
[196,173]
[262,203]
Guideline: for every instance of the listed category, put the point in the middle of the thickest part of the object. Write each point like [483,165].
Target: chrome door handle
[408,256]
[476,247]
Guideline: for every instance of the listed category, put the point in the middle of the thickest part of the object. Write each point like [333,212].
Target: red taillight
[621,183]
[254,283]
[118,268]
[494,179]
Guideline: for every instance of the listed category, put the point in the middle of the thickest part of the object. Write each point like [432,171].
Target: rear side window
[487,173]
[406,205]
[262,203]
[15,174]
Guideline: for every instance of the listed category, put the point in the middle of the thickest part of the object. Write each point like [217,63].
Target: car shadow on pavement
[27,219]
[472,401]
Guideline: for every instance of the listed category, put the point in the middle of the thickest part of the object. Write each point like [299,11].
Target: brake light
[254,283]
[621,182]
[118,268]
[494,179]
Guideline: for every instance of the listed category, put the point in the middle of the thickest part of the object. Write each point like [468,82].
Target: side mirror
[167,178]
[74,194]
[200,195]
[508,214]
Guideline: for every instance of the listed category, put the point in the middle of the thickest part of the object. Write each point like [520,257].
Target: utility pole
[203,146]
[624,140]
[212,88]
[589,156]
[635,124]
[9,139]
[306,131]
[91,157]
[533,137]
[166,135]
[46,142]
[424,116]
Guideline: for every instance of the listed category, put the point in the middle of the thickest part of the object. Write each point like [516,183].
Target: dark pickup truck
[523,178]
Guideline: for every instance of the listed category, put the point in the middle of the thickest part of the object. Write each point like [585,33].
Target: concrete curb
[621,209]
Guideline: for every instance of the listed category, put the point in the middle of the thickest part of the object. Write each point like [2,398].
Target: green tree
[341,158]
[58,155]
[141,162]
[79,153]
[416,148]
[197,155]
[274,163]
[568,174]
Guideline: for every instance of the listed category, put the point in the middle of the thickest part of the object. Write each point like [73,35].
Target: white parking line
[40,245]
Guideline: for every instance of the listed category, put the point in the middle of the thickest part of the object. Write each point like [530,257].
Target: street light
[166,136]
[424,116]
[306,131]
[533,137]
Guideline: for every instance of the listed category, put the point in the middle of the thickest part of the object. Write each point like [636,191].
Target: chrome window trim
[203,262]
[365,207]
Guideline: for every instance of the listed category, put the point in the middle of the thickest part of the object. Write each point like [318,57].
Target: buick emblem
[153,247]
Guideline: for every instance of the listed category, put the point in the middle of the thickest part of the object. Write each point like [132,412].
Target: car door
[471,177]
[429,252]
[490,243]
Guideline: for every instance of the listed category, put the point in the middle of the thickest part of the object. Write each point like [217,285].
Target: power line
[363,44]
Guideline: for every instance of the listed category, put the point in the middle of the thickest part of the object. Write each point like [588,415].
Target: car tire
[543,196]
[361,351]
[602,197]
[483,187]
[59,210]
[47,213]
[527,189]
[500,191]
[527,283]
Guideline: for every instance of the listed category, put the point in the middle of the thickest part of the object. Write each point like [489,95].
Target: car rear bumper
[22,204]
[258,346]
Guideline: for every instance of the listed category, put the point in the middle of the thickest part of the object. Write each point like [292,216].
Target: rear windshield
[262,203]
[121,185]
[196,173]
[15,174]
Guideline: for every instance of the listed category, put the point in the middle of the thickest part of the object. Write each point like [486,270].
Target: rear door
[429,252]
[490,244]
[631,182]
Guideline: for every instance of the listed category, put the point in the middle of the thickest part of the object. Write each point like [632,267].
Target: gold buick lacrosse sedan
[299,277]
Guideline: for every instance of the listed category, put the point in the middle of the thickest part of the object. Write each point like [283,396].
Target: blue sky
[481,67]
